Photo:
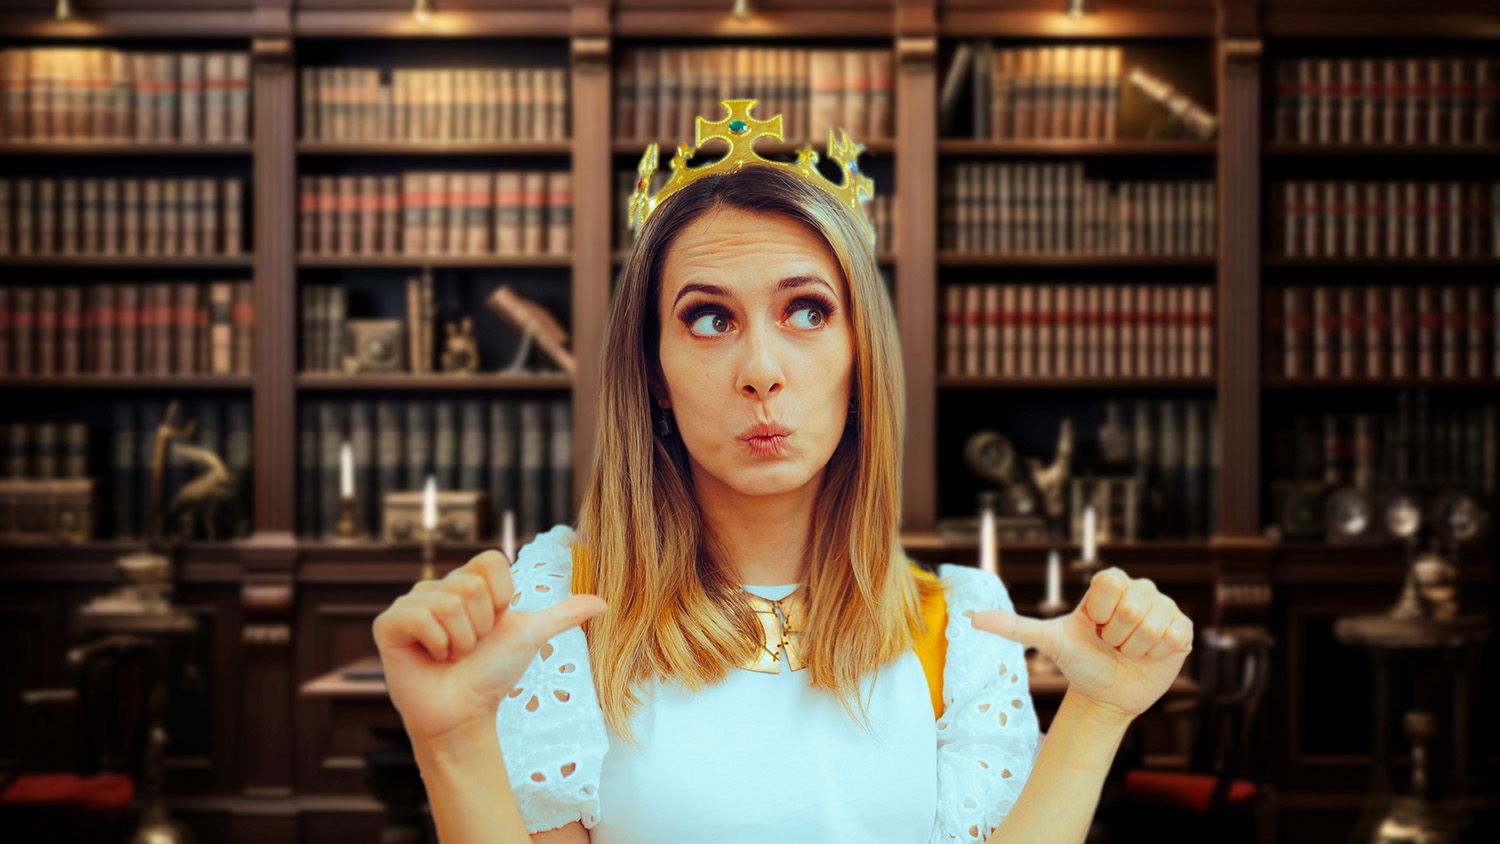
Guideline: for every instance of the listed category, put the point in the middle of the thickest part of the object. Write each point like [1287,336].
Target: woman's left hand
[1121,647]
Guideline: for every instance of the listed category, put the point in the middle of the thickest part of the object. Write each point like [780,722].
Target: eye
[697,314]
[816,304]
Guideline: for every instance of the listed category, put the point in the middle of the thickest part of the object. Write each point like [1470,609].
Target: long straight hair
[642,544]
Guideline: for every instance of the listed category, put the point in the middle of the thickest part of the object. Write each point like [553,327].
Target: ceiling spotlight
[63,10]
[421,10]
[742,9]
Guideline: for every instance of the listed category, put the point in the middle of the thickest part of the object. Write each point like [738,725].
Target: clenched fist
[452,648]
[1121,647]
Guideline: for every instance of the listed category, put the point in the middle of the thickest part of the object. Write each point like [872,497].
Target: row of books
[517,451]
[660,90]
[509,212]
[435,104]
[1421,100]
[1068,91]
[1413,443]
[100,93]
[157,328]
[1051,208]
[1070,330]
[1423,331]
[1170,448]
[222,426]
[71,216]
[325,316]
[1408,219]
[45,450]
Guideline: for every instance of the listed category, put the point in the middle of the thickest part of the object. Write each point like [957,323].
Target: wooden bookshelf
[279,607]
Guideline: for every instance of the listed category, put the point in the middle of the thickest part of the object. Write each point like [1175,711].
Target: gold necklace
[782,621]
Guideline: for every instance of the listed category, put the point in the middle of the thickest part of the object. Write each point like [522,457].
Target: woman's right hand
[452,648]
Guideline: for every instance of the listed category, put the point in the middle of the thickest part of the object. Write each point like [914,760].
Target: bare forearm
[468,788]
[1058,801]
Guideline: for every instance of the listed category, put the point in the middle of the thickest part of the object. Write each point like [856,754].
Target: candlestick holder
[429,571]
[346,530]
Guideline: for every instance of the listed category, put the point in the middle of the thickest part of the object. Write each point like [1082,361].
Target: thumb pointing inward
[1030,632]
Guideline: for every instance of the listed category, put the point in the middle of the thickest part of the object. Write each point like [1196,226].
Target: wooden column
[268,558]
[916,259]
[593,209]
[1238,293]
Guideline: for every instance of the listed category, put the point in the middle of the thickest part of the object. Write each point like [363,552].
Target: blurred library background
[302,300]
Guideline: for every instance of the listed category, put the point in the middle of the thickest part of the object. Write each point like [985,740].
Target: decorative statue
[460,353]
[1051,480]
[200,498]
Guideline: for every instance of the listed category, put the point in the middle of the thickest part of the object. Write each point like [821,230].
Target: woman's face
[755,330]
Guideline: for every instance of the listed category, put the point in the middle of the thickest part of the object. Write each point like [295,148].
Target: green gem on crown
[739,127]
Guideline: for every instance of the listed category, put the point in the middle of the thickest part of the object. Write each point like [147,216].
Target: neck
[764,536]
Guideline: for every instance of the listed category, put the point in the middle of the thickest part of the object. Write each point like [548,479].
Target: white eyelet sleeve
[988,735]
[551,728]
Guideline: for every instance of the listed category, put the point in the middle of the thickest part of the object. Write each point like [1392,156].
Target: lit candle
[429,505]
[1089,549]
[989,558]
[508,535]
[1054,578]
[346,471]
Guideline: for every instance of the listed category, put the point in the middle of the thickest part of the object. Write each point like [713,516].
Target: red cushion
[99,791]
[1183,789]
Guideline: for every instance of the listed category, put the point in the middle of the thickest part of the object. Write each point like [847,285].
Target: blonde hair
[642,544]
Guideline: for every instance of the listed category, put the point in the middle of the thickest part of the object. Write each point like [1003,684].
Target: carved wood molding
[916,50]
[590,52]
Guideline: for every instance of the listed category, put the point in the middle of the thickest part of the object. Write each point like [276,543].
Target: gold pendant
[782,622]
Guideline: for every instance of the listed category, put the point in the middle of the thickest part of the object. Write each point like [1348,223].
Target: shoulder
[551,728]
[543,569]
[988,733]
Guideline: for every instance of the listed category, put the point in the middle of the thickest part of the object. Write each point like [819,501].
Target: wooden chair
[1218,798]
[83,749]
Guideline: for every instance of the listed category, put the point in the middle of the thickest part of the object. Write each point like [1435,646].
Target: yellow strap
[932,648]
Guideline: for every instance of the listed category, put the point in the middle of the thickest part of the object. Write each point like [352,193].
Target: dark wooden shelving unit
[1073,149]
[279,609]
[979,382]
[195,383]
[434,148]
[999,259]
[344,262]
[205,262]
[97,149]
[478,382]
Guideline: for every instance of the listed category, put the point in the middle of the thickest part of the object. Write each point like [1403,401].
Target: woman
[747,655]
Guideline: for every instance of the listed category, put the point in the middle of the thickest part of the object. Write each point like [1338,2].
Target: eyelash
[822,303]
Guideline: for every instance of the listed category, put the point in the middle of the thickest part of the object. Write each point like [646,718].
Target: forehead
[738,248]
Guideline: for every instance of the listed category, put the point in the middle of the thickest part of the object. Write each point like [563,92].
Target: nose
[760,371]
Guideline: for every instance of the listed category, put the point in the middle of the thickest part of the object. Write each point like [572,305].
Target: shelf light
[62,10]
[421,10]
[741,9]
[1076,9]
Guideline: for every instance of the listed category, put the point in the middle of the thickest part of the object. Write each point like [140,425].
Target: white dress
[765,757]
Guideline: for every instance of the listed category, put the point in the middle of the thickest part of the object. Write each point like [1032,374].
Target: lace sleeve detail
[987,737]
[552,732]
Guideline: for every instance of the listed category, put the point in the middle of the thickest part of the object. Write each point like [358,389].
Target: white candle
[508,535]
[1054,578]
[989,558]
[429,505]
[346,471]
[1089,549]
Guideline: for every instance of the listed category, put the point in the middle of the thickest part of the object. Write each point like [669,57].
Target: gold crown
[740,131]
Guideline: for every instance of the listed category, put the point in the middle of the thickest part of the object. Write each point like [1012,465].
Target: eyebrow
[788,283]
